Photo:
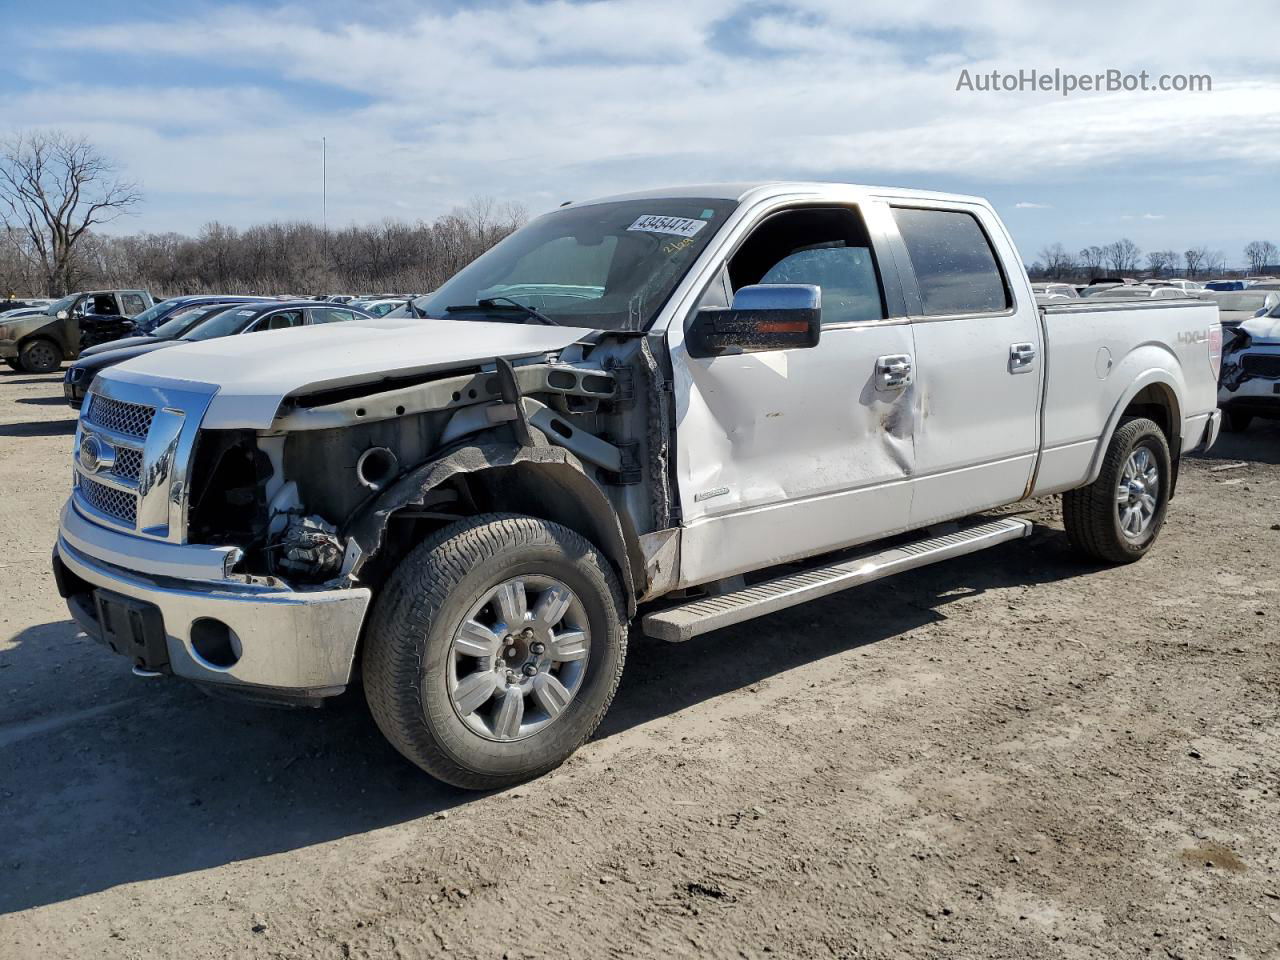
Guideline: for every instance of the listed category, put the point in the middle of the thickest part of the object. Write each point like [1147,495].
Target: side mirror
[62,314]
[1261,313]
[765,316]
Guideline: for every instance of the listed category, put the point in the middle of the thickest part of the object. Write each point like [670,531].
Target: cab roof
[769,189]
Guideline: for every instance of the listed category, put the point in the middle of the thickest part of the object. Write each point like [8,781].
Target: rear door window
[281,320]
[955,267]
[330,315]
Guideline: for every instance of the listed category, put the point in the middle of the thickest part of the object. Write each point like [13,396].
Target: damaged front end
[347,479]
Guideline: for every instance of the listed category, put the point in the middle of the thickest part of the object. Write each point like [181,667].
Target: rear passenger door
[978,361]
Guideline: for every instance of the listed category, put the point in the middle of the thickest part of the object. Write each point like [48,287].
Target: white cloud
[1028,205]
[555,100]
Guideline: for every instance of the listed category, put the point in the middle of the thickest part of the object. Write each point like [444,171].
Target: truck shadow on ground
[1259,444]
[116,780]
[39,428]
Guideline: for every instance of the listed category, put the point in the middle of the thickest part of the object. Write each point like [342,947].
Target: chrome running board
[711,613]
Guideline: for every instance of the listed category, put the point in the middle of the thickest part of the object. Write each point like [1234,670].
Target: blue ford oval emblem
[91,453]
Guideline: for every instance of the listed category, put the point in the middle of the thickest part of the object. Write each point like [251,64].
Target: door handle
[1021,357]
[894,371]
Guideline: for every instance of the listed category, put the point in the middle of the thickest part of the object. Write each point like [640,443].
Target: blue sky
[217,110]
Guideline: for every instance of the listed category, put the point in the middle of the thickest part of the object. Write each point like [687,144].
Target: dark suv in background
[39,343]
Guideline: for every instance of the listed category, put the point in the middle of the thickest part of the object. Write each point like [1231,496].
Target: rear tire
[1118,517]
[39,356]
[1236,422]
[463,693]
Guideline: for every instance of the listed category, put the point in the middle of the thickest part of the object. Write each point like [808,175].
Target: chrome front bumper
[298,642]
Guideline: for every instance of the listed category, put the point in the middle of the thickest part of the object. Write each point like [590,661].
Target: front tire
[1117,518]
[39,356]
[494,650]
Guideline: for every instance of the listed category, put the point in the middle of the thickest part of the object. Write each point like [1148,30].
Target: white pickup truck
[681,408]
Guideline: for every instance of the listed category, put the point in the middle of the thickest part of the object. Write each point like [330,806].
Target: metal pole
[324,195]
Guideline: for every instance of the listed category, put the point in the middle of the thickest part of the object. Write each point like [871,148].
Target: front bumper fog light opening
[215,643]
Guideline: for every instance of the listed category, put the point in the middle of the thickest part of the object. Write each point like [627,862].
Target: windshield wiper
[492,303]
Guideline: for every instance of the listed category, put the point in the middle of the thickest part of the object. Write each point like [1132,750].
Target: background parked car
[205,322]
[149,321]
[29,303]
[39,343]
[379,307]
[1055,290]
[1236,306]
[1184,286]
[1250,382]
[1225,285]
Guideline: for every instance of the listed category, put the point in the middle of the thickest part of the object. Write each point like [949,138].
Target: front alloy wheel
[519,658]
[494,649]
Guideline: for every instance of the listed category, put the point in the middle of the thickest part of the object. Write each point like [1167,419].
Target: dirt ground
[1011,755]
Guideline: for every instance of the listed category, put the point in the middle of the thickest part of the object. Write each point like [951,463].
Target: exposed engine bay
[343,472]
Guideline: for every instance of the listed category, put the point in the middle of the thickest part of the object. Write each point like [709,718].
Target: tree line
[274,258]
[55,188]
[1125,258]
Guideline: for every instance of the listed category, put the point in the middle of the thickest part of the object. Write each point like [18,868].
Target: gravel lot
[1012,755]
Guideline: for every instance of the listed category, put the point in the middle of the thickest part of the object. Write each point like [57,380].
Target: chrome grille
[117,504]
[128,463]
[130,419]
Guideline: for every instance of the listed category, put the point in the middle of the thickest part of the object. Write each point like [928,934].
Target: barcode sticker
[680,226]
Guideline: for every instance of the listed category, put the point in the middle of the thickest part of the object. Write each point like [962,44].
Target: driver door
[789,453]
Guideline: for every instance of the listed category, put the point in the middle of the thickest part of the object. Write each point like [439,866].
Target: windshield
[150,317]
[184,319]
[610,266]
[222,323]
[63,304]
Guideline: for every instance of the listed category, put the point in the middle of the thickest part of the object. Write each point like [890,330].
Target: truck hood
[251,374]
[1262,329]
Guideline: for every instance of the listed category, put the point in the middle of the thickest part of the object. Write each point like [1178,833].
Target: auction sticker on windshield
[680,226]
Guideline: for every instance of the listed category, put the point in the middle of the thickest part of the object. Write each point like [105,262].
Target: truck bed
[1129,346]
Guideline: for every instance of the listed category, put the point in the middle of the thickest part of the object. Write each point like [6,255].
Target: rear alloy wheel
[494,649]
[39,356]
[1118,517]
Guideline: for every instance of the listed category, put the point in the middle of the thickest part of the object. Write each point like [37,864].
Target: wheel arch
[1153,394]
[546,482]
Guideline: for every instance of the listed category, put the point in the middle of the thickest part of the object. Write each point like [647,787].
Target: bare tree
[53,188]
[1261,253]
[1092,258]
[1123,255]
[1195,259]
[1057,262]
[1160,261]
